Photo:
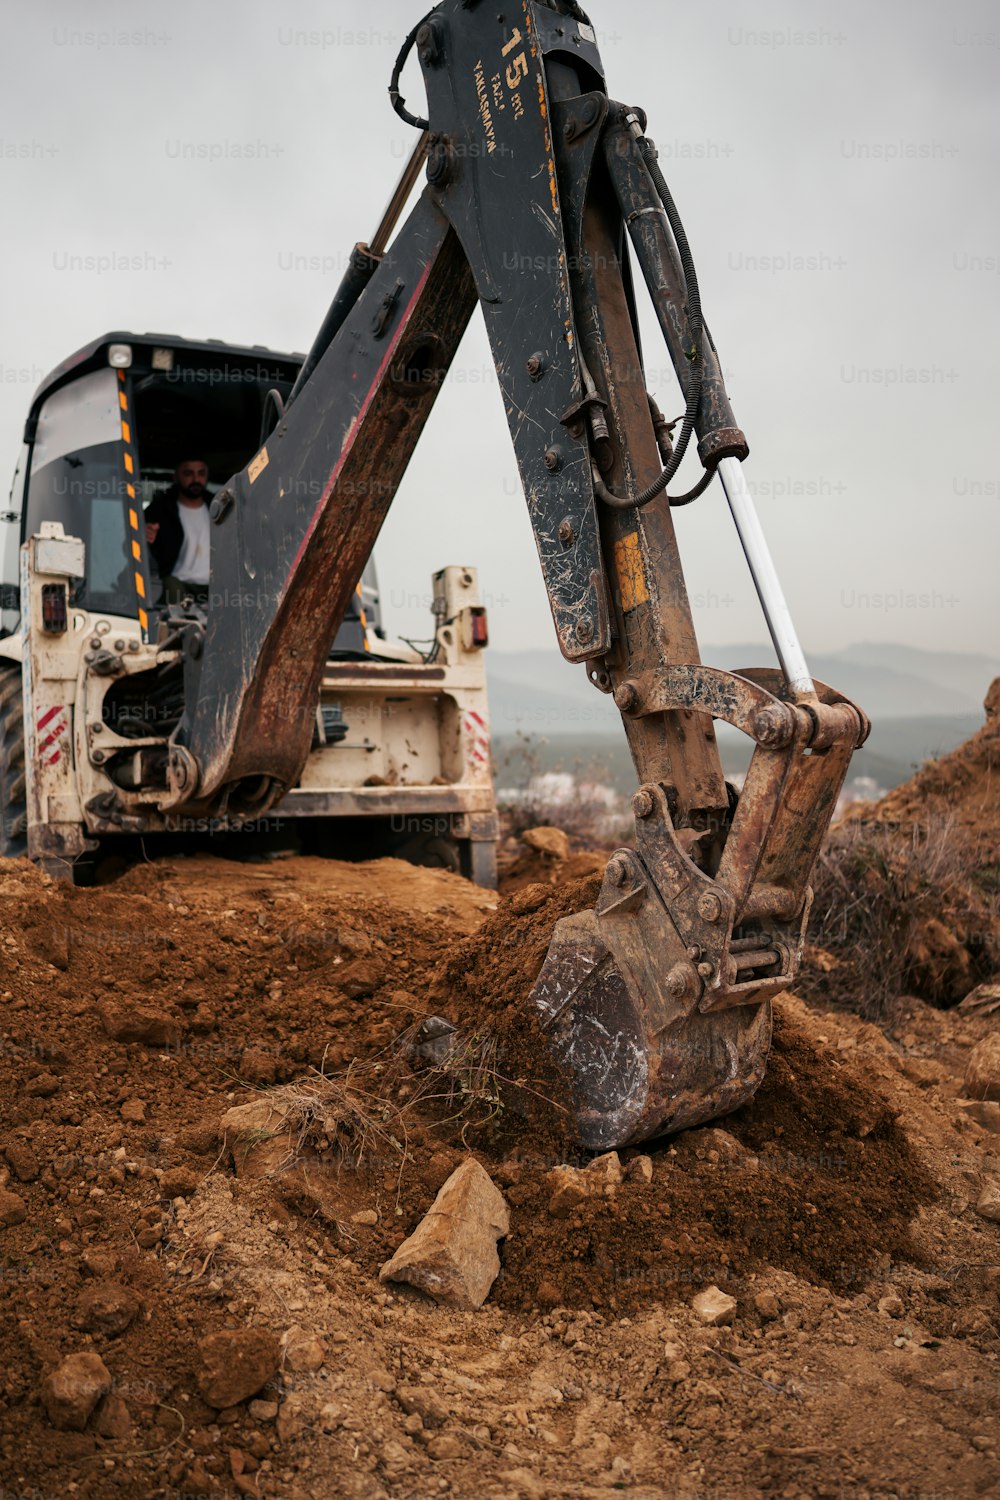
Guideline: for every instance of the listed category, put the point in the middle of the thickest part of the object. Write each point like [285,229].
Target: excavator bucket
[657,1003]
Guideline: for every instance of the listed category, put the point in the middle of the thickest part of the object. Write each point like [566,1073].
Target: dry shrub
[899,913]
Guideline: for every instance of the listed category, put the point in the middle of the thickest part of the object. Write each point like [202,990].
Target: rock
[72,1390]
[572,1186]
[985,1112]
[447,1445]
[12,1210]
[133,1112]
[98,1260]
[179,1182]
[235,1364]
[22,1160]
[367,1218]
[360,978]
[452,1254]
[549,841]
[139,1023]
[767,1305]
[988,1203]
[112,1420]
[301,1350]
[891,1305]
[330,1417]
[105,1307]
[991,703]
[257,1065]
[982,1072]
[640,1169]
[260,1136]
[43,1086]
[714,1307]
[549,1293]
[423,1402]
[263,1411]
[292,1417]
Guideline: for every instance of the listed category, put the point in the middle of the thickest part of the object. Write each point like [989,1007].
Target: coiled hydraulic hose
[696,322]
[398,102]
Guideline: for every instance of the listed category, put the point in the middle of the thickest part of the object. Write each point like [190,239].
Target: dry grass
[901,914]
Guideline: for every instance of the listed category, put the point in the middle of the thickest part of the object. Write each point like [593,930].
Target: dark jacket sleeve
[162,512]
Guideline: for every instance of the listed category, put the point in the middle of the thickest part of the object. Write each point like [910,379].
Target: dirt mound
[961,789]
[907,891]
[836,1209]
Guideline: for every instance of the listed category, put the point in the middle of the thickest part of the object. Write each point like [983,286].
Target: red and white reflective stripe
[477,735]
[56,722]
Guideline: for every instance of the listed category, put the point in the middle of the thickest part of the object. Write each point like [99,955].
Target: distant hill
[922,704]
[537,692]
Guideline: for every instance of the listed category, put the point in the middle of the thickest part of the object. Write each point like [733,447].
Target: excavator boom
[537,182]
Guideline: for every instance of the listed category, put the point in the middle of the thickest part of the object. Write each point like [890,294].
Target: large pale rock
[550,841]
[452,1253]
[234,1364]
[982,1072]
[72,1390]
[988,1205]
[714,1307]
[259,1136]
[571,1186]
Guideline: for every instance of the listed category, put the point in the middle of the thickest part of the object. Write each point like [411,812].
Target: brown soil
[848,1182]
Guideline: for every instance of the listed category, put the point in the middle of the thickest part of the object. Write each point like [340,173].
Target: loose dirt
[836,1208]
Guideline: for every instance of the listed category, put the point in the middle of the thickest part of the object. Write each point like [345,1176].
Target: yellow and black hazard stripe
[134,507]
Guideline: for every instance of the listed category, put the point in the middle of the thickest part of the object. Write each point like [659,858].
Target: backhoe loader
[542,194]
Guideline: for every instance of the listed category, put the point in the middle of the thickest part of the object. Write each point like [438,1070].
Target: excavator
[544,205]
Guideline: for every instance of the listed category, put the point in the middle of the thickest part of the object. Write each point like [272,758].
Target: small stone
[12,1210]
[105,1307]
[988,1202]
[99,1261]
[140,1023]
[72,1390]
[301,1350]
[292,1418]
[572,1186]
[112,1421]
[234,1364]
[133,1112]
[767,1305]
[548,1293]
[446,1445]
[452,1254]
[714,1307]
[421,1401]
[983,1443]
[42,1087]
[367,1218]
[891,1305]
[178,1182]
[640,1169]
[22,1160]
[551,842]
[982,1071]
[330,1417]
[263,1411]
[260,1136]
[259,1066]
[150,1237]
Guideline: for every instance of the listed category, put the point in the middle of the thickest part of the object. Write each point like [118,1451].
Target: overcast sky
[836,166]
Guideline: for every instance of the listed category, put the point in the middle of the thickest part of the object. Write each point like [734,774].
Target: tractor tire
[13,804]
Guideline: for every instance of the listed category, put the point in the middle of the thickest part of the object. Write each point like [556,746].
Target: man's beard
[193,491]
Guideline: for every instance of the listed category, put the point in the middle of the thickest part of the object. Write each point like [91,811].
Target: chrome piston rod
[765,577]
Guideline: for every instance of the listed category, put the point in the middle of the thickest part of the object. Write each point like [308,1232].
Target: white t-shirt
[192,565]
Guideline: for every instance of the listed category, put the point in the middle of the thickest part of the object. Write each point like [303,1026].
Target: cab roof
[94,356]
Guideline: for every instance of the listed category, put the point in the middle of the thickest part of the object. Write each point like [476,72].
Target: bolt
[97,757]
[566,532]
[569,130]
[694,952]
[617,870]
[642,803]
[627,698]
[709,907]
[535,366]
[179,770]
[706,971]
[585,630]
[119,645]
[95,642]
[590,112]
[553,460]
[770,728]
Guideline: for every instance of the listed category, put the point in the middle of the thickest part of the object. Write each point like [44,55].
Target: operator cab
[104,435]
